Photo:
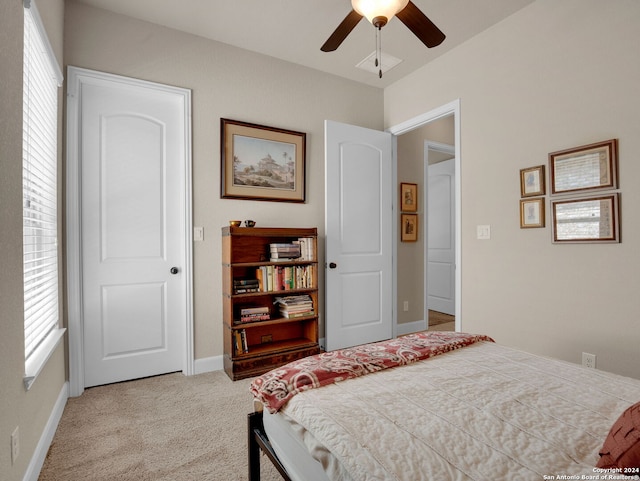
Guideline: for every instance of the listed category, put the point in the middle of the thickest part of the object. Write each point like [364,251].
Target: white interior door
[132,159]
[359,235]
[441,237]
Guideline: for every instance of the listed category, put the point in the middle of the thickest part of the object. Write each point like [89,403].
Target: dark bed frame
[258,441]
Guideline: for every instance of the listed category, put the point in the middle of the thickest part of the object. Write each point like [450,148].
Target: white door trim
[439,147]
[407,126]
[76,76]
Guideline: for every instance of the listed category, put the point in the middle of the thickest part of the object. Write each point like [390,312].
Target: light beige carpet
[165,428]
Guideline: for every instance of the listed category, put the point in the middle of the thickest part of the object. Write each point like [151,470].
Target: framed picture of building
[261,163]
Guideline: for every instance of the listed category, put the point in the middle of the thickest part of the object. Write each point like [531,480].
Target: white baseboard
[37,460]
[411,327]
[208,364]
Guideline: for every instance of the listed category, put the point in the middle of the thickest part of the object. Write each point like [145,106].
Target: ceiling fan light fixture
[378,12]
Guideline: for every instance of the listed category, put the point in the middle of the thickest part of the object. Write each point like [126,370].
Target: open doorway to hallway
[426,276]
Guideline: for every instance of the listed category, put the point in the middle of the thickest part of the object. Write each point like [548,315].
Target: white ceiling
[294,30]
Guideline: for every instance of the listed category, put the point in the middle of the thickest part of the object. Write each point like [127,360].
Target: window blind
[40,119]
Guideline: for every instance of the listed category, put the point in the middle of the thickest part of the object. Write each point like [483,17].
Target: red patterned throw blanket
[276,387]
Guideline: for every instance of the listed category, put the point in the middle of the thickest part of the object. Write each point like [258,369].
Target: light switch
[198,234]
[484,232]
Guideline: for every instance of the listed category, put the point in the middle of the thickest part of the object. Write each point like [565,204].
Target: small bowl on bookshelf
[250,223]
[235,223]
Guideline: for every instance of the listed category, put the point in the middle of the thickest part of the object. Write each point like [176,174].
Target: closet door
[134,267]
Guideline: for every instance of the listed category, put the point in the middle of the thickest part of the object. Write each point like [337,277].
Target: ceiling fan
[379,12]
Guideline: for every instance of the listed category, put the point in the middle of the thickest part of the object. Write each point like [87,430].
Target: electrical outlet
[15,444]
[589,360]
[406,306]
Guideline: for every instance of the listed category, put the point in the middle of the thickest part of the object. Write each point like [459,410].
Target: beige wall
[552,76]
[231,83]
[27,410]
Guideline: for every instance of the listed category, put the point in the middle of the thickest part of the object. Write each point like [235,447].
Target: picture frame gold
[532,213]
[586,219]
[584,168]
[532,181]
[409,227]
[408,197]
[261,163]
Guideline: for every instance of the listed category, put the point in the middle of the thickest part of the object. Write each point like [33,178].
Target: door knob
[174,270]
[332,265]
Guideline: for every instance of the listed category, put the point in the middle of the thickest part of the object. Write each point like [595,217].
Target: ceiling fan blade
[420,25]
[340,33]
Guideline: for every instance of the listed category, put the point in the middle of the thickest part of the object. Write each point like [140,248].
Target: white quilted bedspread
[484,412]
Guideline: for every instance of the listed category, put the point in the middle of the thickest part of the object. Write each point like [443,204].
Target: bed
[442,406]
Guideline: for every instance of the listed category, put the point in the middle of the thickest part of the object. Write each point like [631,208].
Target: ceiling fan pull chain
[377,63]
[379,50]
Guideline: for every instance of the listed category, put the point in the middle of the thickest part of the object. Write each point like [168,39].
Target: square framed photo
[532,181]
[531,213]
[408,197]
[261,163]
[409,227]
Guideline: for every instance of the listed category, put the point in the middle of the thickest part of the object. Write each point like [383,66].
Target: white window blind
[40,119]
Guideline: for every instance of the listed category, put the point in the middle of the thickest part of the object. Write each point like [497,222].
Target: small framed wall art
[408,197]
[532,181]
[409,227]
[531,213]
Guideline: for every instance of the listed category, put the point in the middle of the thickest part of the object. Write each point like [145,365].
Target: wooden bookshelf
[251,282]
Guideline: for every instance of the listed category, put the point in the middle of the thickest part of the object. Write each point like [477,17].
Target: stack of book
[253,314]
[242,286]
[295,306]
[284,251]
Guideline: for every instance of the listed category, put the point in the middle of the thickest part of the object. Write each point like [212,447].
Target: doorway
[451,109]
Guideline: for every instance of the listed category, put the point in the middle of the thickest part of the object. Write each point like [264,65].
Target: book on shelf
[245,345]
[253,318]
[240,341]
[254,310]
[307,248]
[295,306]
[291,250]
[293,315]
[302,249]
[284,251]
[254,314]
[243,286]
